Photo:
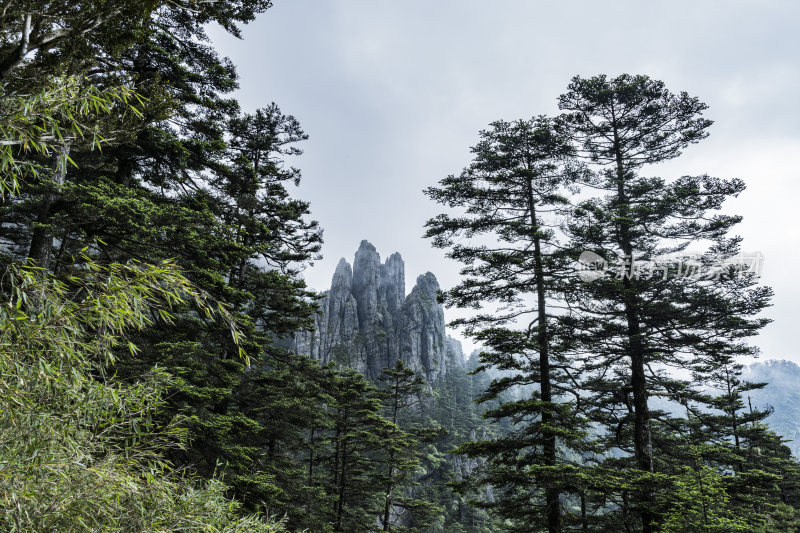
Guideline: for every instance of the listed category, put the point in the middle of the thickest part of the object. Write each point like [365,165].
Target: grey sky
[393,94]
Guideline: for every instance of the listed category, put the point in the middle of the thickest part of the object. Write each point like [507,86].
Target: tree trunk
[388,503]
[340,508]
[552,495]
[642,442]
[337,444]
[311,457]
[584,523]
[41,245]
[390,485]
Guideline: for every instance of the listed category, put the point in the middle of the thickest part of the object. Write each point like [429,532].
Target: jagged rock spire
[367,321]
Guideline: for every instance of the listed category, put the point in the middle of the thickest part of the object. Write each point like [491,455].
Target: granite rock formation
[367,321]
[455,353]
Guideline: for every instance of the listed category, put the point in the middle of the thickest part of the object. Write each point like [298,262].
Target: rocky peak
[343,277]
[455,353]
[427,285]
[366,277]
[393,281]
[423,340]
[367,321]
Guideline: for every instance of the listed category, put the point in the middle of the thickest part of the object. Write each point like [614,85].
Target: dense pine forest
[165,367]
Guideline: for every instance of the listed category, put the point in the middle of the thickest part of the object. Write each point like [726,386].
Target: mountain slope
[782,393]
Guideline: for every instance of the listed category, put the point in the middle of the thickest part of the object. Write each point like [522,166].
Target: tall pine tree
[509,247]
[648,326]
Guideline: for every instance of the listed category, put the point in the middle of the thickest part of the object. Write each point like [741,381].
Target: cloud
[393,94]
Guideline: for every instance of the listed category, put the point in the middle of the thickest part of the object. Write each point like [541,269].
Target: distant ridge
[782,393]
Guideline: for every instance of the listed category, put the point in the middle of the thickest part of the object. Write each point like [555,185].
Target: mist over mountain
[782,393]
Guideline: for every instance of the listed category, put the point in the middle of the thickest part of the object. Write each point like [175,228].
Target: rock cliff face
[368,322]
[455,353]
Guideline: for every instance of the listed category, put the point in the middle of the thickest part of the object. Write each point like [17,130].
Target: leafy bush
[80,451]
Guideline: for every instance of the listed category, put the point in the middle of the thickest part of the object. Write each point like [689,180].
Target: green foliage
[784,518]
[81,450]
[697,501]
[127,404]
[102,200]
[635,376]
[403,449]
[448,482]
[661,334]
[191,178]
[66,111]
[518,177]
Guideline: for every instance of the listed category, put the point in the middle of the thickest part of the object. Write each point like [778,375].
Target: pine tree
[357,442]
[243,219]
[641,320]
[188,177]
[81,447]
[760,472]
[516,181]
[403,389]
[444,484]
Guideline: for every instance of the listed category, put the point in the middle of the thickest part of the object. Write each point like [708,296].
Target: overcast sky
[394,93]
